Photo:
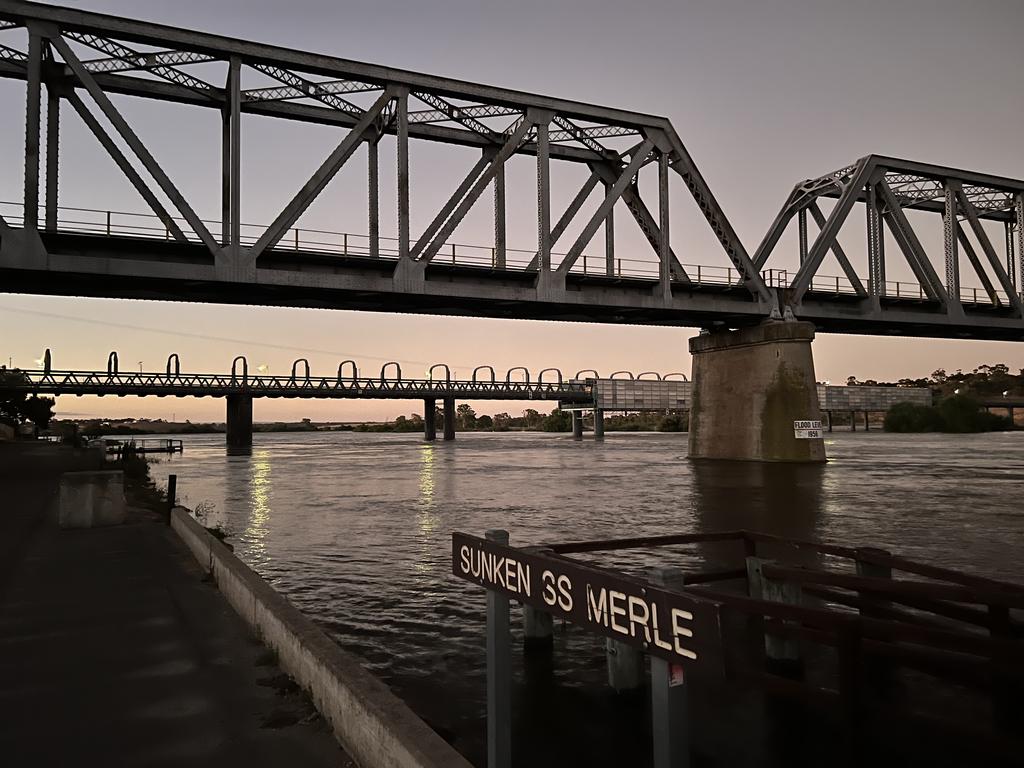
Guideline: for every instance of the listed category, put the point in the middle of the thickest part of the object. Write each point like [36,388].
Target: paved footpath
[114,651]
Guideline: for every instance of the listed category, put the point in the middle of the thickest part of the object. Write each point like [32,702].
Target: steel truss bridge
[76,60]
[484,383]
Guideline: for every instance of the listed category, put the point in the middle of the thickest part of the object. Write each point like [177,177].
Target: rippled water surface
[355,529]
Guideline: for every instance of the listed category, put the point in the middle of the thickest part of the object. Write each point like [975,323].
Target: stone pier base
[749,387]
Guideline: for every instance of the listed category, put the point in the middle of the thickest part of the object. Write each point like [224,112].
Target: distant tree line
[531,420]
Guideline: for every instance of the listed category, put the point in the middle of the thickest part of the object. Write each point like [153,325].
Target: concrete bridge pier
[239,422]
[598,424]
[429,419]
[749,387]
[449,418]
[577,425]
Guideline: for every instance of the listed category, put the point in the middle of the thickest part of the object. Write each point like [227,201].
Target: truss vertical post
[609,237]
[234,99]
[949,225]
[665,247]
[373,195]
[32,107]
[52,155]
[225,172]
[500,244]
[1011,267]
[876,243]
[1018,209]
[802,225]
[402,100]
[543,197]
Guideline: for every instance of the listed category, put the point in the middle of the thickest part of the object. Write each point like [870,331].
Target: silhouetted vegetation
[17,408]
[958,413]
[532,420]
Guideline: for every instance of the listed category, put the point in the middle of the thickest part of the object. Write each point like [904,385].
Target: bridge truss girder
[887,188]
[314,88]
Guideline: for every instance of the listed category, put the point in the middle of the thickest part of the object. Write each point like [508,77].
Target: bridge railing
[897,289]
[113,223]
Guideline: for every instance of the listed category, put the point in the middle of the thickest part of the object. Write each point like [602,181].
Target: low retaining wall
[373,725]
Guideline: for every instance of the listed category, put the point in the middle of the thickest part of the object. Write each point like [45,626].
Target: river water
[355,529]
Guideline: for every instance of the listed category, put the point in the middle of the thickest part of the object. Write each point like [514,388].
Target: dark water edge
[355,530]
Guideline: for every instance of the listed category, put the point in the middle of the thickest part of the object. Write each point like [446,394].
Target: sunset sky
[763,94]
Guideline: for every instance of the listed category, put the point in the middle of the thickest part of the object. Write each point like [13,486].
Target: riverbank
[120,652]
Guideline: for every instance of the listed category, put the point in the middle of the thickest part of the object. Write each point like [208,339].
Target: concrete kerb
[373,725]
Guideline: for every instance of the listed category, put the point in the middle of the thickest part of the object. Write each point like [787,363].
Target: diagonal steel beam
[320,178]
[567,217]
[128,55]
[774,233]
[609,172]
[624,180]
[503,154]
[911,247]
[840,254]
[143,154]
[827,236]
[10,54]
[683,164]
[286,92]
[126,167]
[449,206]
[309,87]
[454,113]
[972,257]
[578,134]
[990,252]
[146,61]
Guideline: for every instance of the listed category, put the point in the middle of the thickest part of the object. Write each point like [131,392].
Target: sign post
[499,672]
[670,723]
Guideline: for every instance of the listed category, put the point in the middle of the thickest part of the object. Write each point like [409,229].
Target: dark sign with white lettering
[672,625]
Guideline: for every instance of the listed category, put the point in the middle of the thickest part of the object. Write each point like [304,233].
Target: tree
[531,418]
[16,408]
[465,416]
[485,422]
[502,421]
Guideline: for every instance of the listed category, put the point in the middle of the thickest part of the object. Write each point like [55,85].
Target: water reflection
[781,499]
[257,525]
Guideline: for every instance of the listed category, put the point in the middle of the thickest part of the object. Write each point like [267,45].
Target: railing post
[108,223]
[344,242]
[698,274]
[670,722]
[296,238]
[782,654]
[172,494]
[499,673]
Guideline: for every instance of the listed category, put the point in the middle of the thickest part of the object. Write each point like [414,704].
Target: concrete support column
[867,424]
[429,419]
[598,424]
[449,418]
[829,417]
[853,421]
[577,425]
[749,387]
[239,421]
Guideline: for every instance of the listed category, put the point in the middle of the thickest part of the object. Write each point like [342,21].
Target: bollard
[499,673]
[670,721]
[538,629]
[625,666]
[172,494]
[781,653]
